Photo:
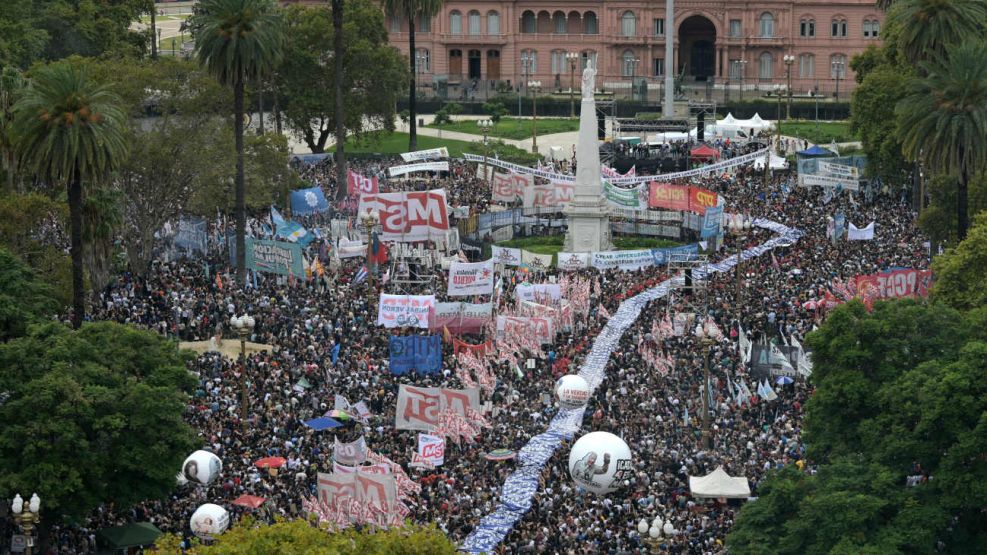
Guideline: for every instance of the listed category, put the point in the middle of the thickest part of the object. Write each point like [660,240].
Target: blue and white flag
[277,220]
[308,201]
[294,232]
[711,222]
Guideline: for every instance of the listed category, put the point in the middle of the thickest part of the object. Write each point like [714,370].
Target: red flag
[219,281]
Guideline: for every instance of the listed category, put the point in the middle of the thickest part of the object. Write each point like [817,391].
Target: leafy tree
[302,538]
[961,273]
[872,117]
[97,411]
[373,73]
[938,218]
[339,53]
[11,84]
[496,110]
[412,11]
[24,297]
[237,41]
[930,29]
[69,130]
[943,119]
[23,223]
[102,218]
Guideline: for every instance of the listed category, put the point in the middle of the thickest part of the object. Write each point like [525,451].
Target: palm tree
[942,120]
[70,129]
[412,10]
[923,29]
[11,83]
[238,40]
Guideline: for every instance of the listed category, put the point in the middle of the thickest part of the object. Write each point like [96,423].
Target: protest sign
[413,311]
[423,354]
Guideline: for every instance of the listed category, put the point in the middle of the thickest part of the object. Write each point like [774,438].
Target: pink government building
[729,44]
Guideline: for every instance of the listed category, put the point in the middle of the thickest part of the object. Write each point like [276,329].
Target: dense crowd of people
[305,319]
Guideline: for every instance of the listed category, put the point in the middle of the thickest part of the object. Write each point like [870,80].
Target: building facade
[717,44]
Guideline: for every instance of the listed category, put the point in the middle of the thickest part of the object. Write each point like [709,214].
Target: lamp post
[28,518]
[739,227]
[743,70]
[633,61]
[651,533]
[706,341]
[572,58]
[534,87]
[838,71]
[789,60]
[418,71]
[485,125]
[243,326]
[370,219]
[779,92]
[527,61]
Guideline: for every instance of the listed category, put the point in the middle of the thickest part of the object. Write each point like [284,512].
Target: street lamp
[789,60]
[739,227]
[485,125]
[743,70]
[27,519]
[633,61]
[243,326]
[779,92]
[652,531]
[370,219]
[705,334]
[572,58]
[534,87]
[527,64]
[838,71]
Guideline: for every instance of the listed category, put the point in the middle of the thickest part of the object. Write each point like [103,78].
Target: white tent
[776,163]
[731,125]
[719,484]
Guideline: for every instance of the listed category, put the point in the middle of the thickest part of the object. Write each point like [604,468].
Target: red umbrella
[249,501]
[270,462]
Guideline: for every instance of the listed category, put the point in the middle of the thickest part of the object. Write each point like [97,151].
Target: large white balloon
[202,467]
[209,520]
[572,391]
[600,462]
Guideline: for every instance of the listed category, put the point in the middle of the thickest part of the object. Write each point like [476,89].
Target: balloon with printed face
[600,462]
[209,521]
[202,467]
[572,391]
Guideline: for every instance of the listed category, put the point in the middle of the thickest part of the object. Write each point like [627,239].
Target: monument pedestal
[588,212]
[589,226]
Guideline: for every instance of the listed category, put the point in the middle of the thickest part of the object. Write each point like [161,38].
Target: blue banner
[711,222]
[421,353]
[661,256]
[839,226]
[273,257]
[192,234]
[308,201]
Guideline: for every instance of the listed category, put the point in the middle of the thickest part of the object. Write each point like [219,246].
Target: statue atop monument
[589,80]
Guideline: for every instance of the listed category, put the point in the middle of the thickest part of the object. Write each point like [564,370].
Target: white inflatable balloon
[600,462]
[572,391]
[209,520]
[202,467]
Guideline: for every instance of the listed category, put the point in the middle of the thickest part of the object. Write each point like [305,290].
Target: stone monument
[588,213]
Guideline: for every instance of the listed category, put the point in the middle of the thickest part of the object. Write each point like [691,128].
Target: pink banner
[896,284]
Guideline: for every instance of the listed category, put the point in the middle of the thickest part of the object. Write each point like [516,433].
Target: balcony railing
[465,38]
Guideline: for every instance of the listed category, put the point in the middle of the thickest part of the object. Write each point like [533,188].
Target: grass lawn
[514,128]
[828,131]
[397,142]
[553,244]
[169,44]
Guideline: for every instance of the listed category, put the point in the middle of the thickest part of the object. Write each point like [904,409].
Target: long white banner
[399,311]
[625,260]
[711,168]
[848,184]
[471,278]
[421,167]
[410,216]
[418,155]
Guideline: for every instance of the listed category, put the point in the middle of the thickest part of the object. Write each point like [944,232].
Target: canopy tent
[815,151]
[776,163]
[719,484]
[729,126]
[704,152]
[128,535]
[249,501]
[230,348]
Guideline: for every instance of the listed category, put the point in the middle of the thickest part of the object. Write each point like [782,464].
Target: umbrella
[783,380]
[500,455]
[270,462]
[323,423]
[249,501]
[339,414]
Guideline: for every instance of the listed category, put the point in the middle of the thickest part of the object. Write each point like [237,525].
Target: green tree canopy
[24,297]
[298,537]
[961,273]
[97,412]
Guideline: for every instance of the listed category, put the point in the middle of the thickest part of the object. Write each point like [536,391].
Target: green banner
[277,257]
[627,198]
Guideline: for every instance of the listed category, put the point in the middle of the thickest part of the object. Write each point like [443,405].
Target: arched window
[837,66]
[807,65]
[395,22]
[529,61]
[807,27]
[586,57]
[455,22]
[766,66]
[628,24]
[424,25]
[767,25]
[590,25]
[839,27]
[423,61]
[629,63]
[872,28]
[528,22]
[493,23]
[474,22]
[560,23]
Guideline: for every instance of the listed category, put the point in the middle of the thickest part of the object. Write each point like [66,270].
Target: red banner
[701,199]
[668,196]
[357,185]
[899,283]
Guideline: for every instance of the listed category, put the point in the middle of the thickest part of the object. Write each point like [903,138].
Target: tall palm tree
[69,129]
[923,29]
[942,120]
[238,40]
[412,10]
[340,115]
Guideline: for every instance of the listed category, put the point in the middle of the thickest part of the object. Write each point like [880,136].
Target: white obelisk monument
[588,213]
